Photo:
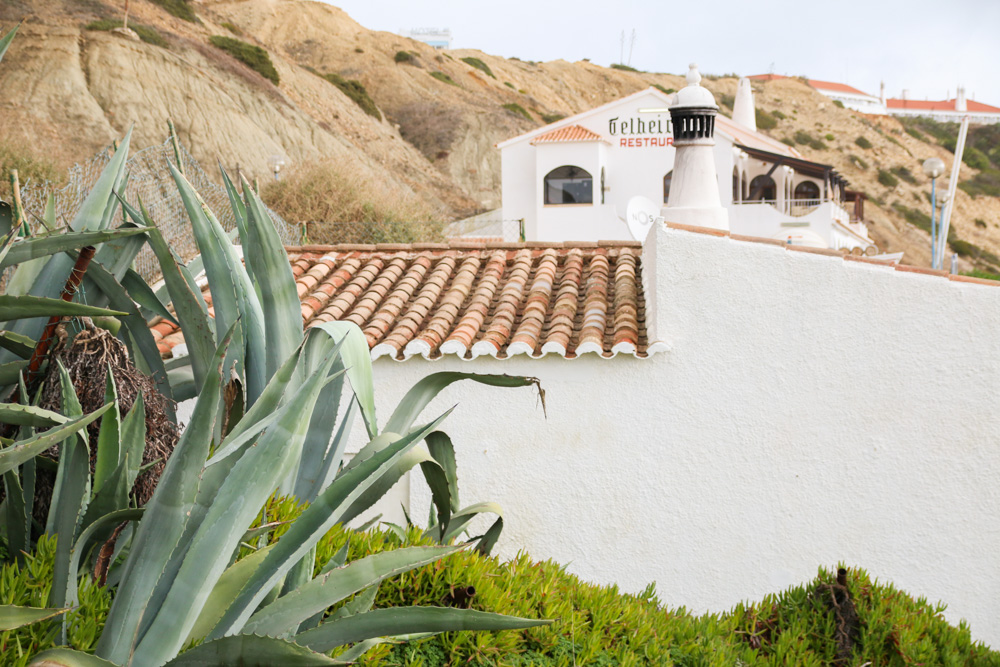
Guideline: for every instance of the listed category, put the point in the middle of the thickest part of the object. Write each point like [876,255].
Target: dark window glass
[569,185]
[762,188]
[806,190]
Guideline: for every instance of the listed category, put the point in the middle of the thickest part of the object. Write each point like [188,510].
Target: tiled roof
[939,105]
[474,299]
[566,134]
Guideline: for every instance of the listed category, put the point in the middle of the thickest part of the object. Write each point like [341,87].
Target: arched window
[806,190]
[762,188]
[569,185]
[736,185]
[666,185]
[746,188]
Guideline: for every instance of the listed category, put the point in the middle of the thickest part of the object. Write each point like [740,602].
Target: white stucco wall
[811,410]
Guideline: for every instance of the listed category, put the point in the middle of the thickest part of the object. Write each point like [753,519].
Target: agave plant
[267,418]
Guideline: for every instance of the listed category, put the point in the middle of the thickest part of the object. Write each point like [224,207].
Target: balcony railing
[794,207]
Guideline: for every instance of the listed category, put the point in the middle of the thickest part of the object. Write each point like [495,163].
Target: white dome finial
[693,78]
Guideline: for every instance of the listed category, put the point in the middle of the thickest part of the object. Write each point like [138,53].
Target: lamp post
[933,167]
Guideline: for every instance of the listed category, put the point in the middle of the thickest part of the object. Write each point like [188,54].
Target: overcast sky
[925,46]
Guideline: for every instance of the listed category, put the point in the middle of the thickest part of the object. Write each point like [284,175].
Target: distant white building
[439,38]
[945,111]
[849,96]
[573,179]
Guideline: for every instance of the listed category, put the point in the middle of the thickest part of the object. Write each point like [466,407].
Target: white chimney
[960,99]
[694,191]
[906,94]
[881,93]
[744,112]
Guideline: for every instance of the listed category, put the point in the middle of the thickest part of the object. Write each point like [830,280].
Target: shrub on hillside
[986,182]
[838,104]
[516,109]
[765,121]
[146,33]
[904,174]
[777,114]
[668,91]
[403,57]
[623,67]
[806,139]
[250,55]
[887,179]
[31,167]
[232,27]
[478,64]
[179,8]
[975,158]
[430,126]
[863,143]
[444,78]
[552,117]
[861,164]
[357,92]
[349,207]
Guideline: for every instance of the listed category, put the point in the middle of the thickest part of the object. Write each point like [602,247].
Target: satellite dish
[640,215]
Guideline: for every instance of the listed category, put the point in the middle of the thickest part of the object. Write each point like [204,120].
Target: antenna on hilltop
[771,69]
[631,45]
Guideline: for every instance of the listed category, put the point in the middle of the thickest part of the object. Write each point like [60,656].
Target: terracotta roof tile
[567,134]
[436,300]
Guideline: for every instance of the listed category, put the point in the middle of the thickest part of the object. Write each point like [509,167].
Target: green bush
[357,92]
[146,34]
[232,27]
[904,174]
[623,67]
[985,275]
[250,55]
[508,84]
[858,161]
[516,108]
[863,143]
[915,217]
[552,117]
[980,223]
[179,8]
[444,78]
[788,141]
[806,139]
[829,137]
[986,182]
[975,158]
[668,91]
[403,57]
[478,64]
[726,101]
[777,114]
[915,133]
[838,104]
[765,121]
[887,179]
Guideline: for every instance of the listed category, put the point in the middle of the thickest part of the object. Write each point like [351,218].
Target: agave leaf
[490,537]
[67,657]
[279,298]
[109,437]
[406,620]
[355,652]
[143,294]
[17,517]
[224,592]
[21,307]
[289,610]
[357,359]
[166,514]
[250,651]
[7,39]
[20,345]
[424,391]
[12,617]
[10,372]
[300,575]
[118,253]
[362,603]
[442,478]
[43,245]
[29,415]
[239,499]
[335,453]
[22,450]
[316,449]
[239,210]
[233,295]
[461,520]
[133,438]
[311,525]
[379,487]
[70,496]
[105,524]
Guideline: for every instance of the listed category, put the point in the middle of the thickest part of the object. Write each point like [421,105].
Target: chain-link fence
[327,233]
[148,179]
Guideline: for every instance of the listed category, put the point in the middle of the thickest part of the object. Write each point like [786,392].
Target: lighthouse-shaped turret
[694,192]
[744,111]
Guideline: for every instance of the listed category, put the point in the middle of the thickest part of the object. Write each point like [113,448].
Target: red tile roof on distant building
[473,299]
[567,134]
[831,86]
[939,105]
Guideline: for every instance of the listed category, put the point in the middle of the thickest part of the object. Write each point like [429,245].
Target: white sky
[858,42]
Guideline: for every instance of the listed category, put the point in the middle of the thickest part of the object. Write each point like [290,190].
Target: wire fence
[365,232]
[149,180]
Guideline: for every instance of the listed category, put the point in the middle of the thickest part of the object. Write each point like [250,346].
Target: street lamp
[933,167]
[276,162]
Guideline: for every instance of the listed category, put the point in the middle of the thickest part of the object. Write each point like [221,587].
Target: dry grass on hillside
[31,167]
[342,206]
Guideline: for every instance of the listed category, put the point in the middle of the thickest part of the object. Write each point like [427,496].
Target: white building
[439,38]
[945,111]
[573,179]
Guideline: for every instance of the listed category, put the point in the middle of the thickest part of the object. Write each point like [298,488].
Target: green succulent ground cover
[596,625]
